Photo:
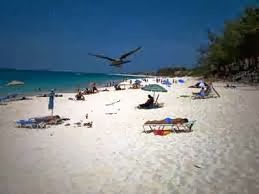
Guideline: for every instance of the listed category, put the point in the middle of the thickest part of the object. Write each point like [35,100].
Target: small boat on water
[15,83]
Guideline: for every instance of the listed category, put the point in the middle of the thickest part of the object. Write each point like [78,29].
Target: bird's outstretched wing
[129,53]
[101,56]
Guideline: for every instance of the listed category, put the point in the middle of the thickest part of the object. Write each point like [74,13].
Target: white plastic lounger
[174,127]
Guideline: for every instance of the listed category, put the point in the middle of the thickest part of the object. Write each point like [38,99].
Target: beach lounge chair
[30,123]
[181,127]
[197,85]
[154,105]
[207,94]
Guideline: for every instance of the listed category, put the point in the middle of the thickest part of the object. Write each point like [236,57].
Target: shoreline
[102,84]
[134,75]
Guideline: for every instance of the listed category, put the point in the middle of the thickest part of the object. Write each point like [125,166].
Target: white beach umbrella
[125,83]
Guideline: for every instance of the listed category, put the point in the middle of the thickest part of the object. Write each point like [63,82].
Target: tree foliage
[172,71]
[238,40]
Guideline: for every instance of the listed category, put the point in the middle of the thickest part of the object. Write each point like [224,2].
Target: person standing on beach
[51,101]
[94,89]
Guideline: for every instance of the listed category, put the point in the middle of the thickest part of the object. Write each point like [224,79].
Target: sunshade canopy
[138,81]
[154,88]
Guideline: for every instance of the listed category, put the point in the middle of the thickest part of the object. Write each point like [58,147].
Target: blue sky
[57,35]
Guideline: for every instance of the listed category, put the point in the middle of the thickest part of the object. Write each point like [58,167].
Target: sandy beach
[220,155]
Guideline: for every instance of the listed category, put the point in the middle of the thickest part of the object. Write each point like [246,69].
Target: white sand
[115,157]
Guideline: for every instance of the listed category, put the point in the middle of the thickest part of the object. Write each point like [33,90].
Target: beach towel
[40,122]
[162,132]
[30,123]
[24,122]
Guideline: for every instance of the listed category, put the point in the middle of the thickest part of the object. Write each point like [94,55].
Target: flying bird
[119,61]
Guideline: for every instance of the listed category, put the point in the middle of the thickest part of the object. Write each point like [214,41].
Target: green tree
[239,39]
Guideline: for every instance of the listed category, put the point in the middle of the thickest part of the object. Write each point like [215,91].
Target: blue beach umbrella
[51,101]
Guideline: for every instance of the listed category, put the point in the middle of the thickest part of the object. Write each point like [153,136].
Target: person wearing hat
[149,102]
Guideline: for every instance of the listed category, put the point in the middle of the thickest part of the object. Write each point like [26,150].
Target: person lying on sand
[229,86]
[48,119]
[80,96]
[51,120]
[104,90]
[149,102]
[169,121]
[89,124]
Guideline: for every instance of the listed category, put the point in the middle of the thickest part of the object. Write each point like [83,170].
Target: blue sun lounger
[30,123]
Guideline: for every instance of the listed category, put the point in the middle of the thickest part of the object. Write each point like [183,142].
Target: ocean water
[47,80]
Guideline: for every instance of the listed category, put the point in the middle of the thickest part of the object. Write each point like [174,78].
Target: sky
[59,34]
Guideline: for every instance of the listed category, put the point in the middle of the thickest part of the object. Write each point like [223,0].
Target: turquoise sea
[43,81]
